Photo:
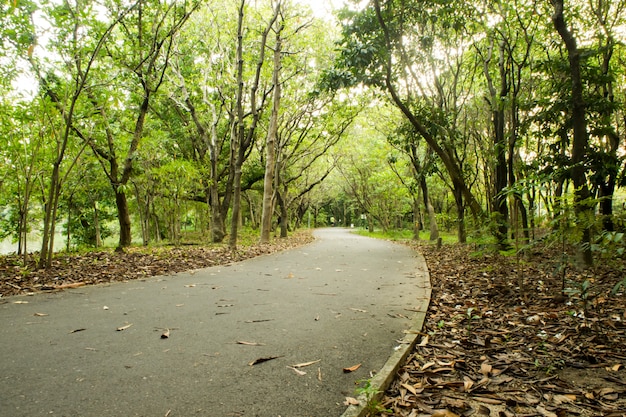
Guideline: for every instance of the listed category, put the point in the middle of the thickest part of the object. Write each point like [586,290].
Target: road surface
[98,351]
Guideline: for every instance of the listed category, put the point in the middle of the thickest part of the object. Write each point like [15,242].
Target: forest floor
[501,338]
[516,336]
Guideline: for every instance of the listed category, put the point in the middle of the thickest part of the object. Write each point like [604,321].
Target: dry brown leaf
[468,383]
[299,372]
[428,365]
[351,401]
[261,360]
[165,334]
[485,368]
[424,341]
[351,368]
[119,329]
[40,314]
[302,365]
[78,330]
[68,286]
[241,342]
[541,410]
[410,388]
[560,398]
[444,413]
[488,400]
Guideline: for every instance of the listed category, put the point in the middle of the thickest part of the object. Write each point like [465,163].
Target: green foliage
[370,393]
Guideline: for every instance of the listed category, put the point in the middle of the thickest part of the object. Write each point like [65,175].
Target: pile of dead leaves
[503,338]
[73,270]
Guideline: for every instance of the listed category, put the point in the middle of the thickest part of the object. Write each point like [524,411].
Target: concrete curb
[381,381]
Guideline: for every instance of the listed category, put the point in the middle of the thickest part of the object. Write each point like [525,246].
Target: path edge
[381,381]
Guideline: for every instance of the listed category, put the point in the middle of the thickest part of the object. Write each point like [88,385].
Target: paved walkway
[343,300]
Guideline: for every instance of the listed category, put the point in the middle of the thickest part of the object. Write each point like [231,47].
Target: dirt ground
[527,335]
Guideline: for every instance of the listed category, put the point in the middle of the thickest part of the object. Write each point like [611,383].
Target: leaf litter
[501,339]
[70,271]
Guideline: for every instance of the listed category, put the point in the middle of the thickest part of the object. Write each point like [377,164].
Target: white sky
[323,8]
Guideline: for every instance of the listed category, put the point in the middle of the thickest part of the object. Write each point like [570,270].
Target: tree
[272,131]
[143,49]
[580,137]
[80,48]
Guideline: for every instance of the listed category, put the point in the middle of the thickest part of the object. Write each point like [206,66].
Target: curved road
[342,300]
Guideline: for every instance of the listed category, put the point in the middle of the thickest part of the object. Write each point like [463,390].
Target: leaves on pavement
[261,360]
[351,368]
[241,342]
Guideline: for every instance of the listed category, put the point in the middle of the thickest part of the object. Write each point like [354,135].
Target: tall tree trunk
[432,219]
[270,149]
[460,209]
[580,143]
[245,135]
[123,217]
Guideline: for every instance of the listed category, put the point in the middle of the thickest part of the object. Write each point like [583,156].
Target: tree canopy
[146,121]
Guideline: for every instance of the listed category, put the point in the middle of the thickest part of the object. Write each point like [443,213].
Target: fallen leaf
[351,368]
[20,302]
[485,368]
[351,401]
[77,330]
[319,374]
[299,372]
[68,286]
[444,413]
[424,341]
[241,342]
[165,334]
[302,365]
[261,360]
[40,314]
[560,398]
[358,310]
[410,388]
[545,412]
[488,400]
[119,329]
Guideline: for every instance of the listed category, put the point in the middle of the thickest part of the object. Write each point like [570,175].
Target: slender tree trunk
[96,223]
[580,143]
[270,158]
[460,209]
[432,220]
[123,217]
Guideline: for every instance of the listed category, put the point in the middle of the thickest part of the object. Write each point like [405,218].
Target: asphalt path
[98,351]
